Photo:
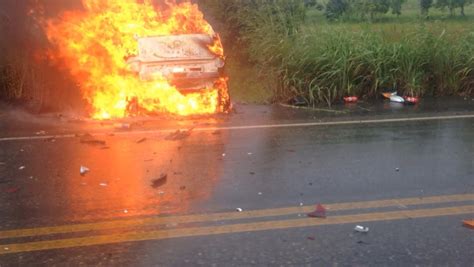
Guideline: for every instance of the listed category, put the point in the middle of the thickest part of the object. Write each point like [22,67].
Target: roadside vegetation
[323,51]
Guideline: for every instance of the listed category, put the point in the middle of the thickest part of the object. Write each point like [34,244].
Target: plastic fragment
[103,184]
[141,140]
[320,212]
[361,229]
[83,170]
[351,99]
[397,99]
[21,168]
[468,224]
[239,209]
[160,181]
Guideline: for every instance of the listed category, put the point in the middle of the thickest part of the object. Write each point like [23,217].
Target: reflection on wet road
[404,178]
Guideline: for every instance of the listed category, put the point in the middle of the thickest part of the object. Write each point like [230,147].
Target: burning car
[133,57]
[185,60]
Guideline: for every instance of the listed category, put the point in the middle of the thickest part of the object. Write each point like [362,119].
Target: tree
[425,7]
[452,5]
[396,6]
[336,8]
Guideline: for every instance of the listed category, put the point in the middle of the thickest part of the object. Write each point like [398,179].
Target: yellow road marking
[223,216]
[233,228]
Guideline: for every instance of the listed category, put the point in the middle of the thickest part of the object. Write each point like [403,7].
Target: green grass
[324,61]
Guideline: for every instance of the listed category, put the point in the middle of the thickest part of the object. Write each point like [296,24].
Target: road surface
[235,190]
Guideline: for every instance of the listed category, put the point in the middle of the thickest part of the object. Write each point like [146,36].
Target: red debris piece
[468,223]
[351,99]
[311,238]
[320,212]
[411,99]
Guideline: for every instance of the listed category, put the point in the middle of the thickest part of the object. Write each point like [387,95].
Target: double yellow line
[130,233]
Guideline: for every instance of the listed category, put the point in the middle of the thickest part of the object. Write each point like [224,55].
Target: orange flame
[94,43]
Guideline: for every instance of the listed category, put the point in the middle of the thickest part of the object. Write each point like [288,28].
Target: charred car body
[185,60]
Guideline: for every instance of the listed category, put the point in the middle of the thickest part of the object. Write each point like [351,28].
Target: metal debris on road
[141,140]
[91,140]
[21,168]
[468,223]
[239,209]
[361,229]
[122,126]
[160,181]
[179,135]
[320,212]
[83,170]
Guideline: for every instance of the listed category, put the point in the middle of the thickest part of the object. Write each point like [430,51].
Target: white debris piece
[83,170]
[125,211]
[40,132]
[397,99]
[239,209]
[361,229]
[21,168]
[260,193]
[103,184]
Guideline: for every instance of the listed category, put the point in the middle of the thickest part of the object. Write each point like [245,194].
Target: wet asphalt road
[410,182]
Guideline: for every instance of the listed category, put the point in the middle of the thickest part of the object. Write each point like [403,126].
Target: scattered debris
[83,170]
[91,140]
[103,184]
[389,94]
[141,140]
[6,248]
[122,126]
[311,238]
[320,212]
[239,209]
[51,139]
[397,169]
[223,154]
[301,204]
[411,99]
[160,181]
[363,242]
[361,229]
[351,99]
[260,193]
[41,132]
[179,135]
[298,101]
[468,223]
[252,173]
[397,99]
[125,211]
[21,168]
[250,153]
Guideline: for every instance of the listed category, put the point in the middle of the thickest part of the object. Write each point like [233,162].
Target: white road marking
[245,127]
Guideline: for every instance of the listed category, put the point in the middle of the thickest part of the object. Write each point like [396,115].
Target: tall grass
[323,63]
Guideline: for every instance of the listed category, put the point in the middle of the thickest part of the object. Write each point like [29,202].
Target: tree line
[370,9]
